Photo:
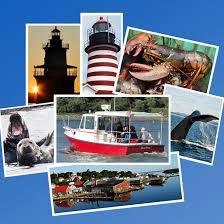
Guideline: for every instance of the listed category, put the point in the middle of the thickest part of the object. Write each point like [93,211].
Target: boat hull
[113,149]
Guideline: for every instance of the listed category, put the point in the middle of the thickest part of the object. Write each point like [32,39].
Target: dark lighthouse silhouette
[54,76]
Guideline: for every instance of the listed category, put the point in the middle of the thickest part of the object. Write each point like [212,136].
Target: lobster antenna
[171,65]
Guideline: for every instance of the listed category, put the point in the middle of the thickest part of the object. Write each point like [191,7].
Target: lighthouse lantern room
[102,47]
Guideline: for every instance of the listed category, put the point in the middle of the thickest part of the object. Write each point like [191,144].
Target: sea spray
[208,135]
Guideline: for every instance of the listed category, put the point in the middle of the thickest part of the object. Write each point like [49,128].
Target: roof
[86,85]
[55,30]
[89,182]
[110,182]
[129,114]
[79,183]
[101,20]
[133,178]
[60,188]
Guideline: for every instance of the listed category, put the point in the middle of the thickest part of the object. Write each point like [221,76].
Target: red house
[112,185]
[63,190]
[79,183]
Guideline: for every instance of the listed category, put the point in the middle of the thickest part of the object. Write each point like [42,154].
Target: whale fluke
[204,118]
[181,130]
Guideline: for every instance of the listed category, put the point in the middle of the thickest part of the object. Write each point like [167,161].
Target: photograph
[52,61]
[195,121]
[101,37]
[27,139]
[150,60]
[112,129]
[89,188]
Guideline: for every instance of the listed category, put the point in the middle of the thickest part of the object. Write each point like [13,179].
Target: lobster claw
[149,73]
[134,49]
[136,43]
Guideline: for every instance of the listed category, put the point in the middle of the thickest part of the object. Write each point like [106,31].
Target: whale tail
[181,130]
[204,118]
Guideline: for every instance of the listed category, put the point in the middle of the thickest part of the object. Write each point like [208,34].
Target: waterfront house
[135,180]
[112,185]
[61,179]
[157,180]
[89,184]
[79,183]
[77,189]
[62,190]
[71,183]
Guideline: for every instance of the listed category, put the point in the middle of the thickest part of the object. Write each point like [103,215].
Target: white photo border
[27,53]
[168,36]
[219,123]
[2,140]
[111,96]
[115,207]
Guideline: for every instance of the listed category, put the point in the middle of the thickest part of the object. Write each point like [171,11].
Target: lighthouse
[54,76]
[102,47]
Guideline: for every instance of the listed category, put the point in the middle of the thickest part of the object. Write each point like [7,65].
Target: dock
[83,195]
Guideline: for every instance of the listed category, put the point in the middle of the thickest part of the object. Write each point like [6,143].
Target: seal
[30,153]
[17,130]
[181,130]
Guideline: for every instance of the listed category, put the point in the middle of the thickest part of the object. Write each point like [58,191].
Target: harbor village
[104,185]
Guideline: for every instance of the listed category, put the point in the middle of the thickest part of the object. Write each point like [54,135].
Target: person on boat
[145,136]
[125,135]
[117,128]
[133,133]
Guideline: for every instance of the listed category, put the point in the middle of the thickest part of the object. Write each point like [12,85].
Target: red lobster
[193,64]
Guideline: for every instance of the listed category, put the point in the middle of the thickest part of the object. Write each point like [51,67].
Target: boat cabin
[115,126]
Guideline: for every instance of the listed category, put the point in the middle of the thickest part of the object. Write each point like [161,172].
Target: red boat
[99,133]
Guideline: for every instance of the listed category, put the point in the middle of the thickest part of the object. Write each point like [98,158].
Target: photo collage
[109,116]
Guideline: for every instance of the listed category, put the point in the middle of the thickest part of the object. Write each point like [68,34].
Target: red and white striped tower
[101,47]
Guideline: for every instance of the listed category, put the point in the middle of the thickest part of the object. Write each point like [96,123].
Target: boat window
[104,123]
[82,123]
[89,122]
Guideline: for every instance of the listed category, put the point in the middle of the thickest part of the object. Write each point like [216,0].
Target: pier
[83,195]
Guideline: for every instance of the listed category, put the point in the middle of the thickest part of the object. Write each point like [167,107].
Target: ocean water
[200,141]
[64,155]
[171,190]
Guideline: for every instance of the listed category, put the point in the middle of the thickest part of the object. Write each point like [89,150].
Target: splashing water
[207,135]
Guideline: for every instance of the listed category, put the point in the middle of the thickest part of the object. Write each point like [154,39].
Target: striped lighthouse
[102,47]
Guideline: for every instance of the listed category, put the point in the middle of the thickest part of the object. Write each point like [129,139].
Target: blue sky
[135,168]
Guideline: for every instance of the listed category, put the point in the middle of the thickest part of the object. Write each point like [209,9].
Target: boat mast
[129,128]
[161,129]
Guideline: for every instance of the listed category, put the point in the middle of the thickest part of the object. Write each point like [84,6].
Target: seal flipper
[47,149]
[41,142]
[49,139]
[181,130]
[46,140]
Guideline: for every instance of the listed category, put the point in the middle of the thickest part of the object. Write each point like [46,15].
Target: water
[200,141]
[64,155]
[171,190]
